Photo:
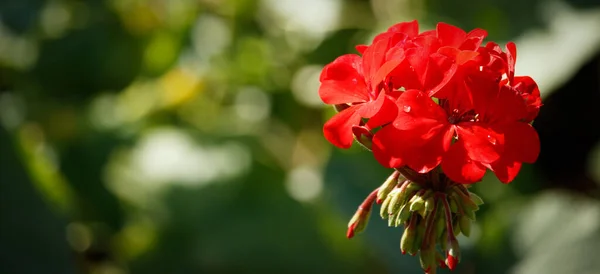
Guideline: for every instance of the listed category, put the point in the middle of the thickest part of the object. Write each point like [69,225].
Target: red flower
[440,98]
[486,131]
[356,83]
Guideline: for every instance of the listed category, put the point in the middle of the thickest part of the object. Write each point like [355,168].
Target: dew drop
[406,109]
[492,139]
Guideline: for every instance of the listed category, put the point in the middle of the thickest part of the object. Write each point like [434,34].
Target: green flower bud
[453,205]
[420,235]
[403,214]
[391,220]
[427,258]
[444,241]
[358,223]
[429,204]
[465,225]
[395,203]
[411,189]
[476,199]
[440,226]
[383,211]
[428,193]
[417,203]
[390,183]
[453,254]
[470,214]
[455,227]
[408,238]
[464,200]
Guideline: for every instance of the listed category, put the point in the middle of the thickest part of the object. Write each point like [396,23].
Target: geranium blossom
[440,98]
[441,109]
[355,83]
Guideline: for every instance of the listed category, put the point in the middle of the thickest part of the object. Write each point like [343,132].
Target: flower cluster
[440,108]
[435,98]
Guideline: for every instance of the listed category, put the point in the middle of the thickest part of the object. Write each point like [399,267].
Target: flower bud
[455,227]
[383,211]
[453,205]
[421,228]
[410,190]
[465,225]
[453,253]
[444,241]
[408,238]
[390,183]
[464,200]
[403,214]
[429,204]
[476,199]
[470,214]
[358,223]
[417,203]
[395,202]
[440,226]
[427,258]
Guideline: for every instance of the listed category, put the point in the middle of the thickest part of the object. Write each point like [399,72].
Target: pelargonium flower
[441,109]
[483,126]
[356,83]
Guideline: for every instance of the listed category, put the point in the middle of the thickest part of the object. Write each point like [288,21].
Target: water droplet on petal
[406,109]
[492,139]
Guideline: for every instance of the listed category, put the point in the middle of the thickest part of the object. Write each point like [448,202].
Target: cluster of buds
[440,108]
[433,211]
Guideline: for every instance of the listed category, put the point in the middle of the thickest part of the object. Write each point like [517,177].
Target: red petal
[474,39]
[350,231]
[529,91]
[452,262]
[481,143]
[482,89]
[506,171]
[457,165]
[522,142]
[384,72]
[385,147]
[411,29]
[343,68]
[361,48]
[342,81]
[404,76]
[373,58]
[459,56]
[338,130]
[450,35]
[387,113]
[506,107]
[511,54]
[424,132]
[440,72]
[415,108]
[343,92]
[429,154]
[371,108]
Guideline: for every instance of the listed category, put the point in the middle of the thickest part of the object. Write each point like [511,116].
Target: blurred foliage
[179,136]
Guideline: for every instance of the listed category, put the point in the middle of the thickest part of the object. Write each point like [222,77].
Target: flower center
[455,116]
